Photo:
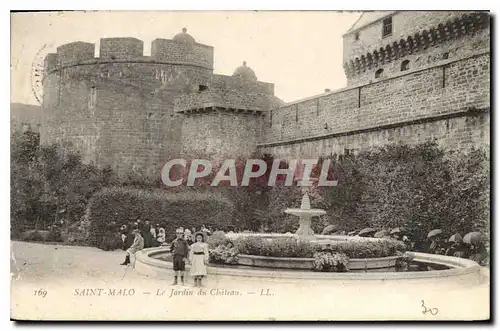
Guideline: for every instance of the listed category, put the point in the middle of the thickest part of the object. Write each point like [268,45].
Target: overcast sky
[300,52]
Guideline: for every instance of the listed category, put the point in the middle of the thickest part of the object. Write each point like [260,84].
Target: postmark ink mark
[36,75]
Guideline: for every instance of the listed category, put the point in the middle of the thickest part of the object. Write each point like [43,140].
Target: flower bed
[293,253]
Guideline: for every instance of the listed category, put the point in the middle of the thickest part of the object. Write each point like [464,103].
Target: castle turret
[227,117]
[184,37]
[245,72]
[118,109]
[381,45]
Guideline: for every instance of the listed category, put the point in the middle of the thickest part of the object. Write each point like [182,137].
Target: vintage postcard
[250,165]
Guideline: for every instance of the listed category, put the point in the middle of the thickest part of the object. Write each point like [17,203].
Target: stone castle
[412,77]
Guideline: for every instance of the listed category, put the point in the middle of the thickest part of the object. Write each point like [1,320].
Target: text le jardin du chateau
[254,168]
[167,293]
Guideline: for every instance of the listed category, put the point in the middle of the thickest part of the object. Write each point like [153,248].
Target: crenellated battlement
[75,52]
[120,48]
[384,45]
[128,49]
[467,24]
[166,50]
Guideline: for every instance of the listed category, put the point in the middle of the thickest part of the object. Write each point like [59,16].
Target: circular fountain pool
[155,262]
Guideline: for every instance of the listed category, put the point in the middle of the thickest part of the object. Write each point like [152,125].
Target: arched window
[378,73]
[405,65]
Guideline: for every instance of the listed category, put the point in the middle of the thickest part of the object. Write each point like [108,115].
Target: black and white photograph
[250,165]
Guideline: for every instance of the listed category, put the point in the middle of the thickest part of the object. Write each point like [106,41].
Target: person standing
[160,238]
[198,255]
[154,233]
[188,237]
[146,234]
[123,232]
[180,250]
[136,246]
[129,239]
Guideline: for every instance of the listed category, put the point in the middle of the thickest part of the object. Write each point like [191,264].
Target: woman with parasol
[456,248]
[477,249]
[436,245]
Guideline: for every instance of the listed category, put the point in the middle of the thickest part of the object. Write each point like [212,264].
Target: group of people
[188,247]
[476,252]
[153,235]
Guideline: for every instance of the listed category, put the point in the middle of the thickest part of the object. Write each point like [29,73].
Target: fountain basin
[461,270]
[307,263]
[305,212]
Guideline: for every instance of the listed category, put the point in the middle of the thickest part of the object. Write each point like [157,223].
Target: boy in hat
[180,250]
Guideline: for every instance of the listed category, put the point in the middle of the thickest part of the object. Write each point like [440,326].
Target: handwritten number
[425,310]
[40,293]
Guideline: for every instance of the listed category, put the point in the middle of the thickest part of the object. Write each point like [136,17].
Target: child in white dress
[198,255]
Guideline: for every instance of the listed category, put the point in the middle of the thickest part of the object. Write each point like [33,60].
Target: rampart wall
[413,106]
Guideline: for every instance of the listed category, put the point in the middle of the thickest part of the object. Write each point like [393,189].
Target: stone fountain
[305,213]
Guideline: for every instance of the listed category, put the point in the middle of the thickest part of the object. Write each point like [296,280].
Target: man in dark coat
[147,235]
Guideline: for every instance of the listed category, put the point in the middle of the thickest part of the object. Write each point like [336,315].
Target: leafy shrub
[34,235]
[330,262]
[223,255]
[55,234]
[275,247]
[172,210]
[111,241]
[217,239]
[403,261]
[50,182]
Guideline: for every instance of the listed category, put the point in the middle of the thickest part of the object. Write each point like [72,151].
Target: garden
[56,197]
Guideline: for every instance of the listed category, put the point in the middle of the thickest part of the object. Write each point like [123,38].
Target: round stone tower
[118,109]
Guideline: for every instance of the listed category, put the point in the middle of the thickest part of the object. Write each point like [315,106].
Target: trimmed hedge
[171,210]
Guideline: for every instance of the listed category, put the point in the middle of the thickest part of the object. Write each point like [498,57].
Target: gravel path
[89,284]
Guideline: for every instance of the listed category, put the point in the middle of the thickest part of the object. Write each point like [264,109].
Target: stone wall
[459,133]
[229,92]
[220,133]
[446,90]
[120,48]
[164,50]
[117,110]
[74,52]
